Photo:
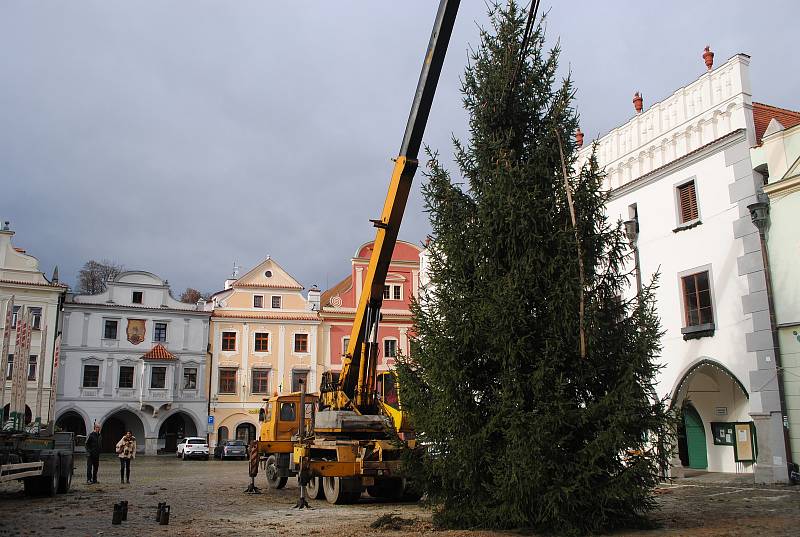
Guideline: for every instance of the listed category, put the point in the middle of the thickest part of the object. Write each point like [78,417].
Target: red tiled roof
[764,113]
[288,316]
[158,353]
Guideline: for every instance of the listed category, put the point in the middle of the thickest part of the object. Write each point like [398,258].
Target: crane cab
[280,417]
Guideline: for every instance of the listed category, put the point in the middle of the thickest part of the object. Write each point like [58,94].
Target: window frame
[133,377]
[261,371]
[224,339]
[396,342]
[10,366]
[260,304]
[679,207]
[233,380]
[297,373]
[33,360]
[345,344]
[699,329]
[155,331]
[36,317]
[83,376]
[256,342]
[279,302]
[107,320]
[152,374]
[393,291]
[133,297]
[307,343]
[183,378]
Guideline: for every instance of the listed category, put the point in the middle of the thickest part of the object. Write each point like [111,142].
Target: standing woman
[126,448]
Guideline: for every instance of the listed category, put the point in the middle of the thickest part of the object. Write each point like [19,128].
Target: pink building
[338,305]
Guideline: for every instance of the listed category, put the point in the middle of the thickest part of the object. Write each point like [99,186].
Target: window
[393,292]
[229,341]
[91,376]
[36,318]
[260,381]
[126,376]
[158,377]
[258,301]
[276,302]
[345,344]
[227,381]
[390,348]
[137,297]
[262,342]
[301,343]
[32,367]
[14,317]
[687,202]
[110,329]
[222,435]
[160,332]
[288,412]
[10,369]
[190,378]
[697,299]
[297,376]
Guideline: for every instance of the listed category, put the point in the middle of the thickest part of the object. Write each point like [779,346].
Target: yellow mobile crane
[344,445]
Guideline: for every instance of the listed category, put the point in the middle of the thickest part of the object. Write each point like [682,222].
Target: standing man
[93,442]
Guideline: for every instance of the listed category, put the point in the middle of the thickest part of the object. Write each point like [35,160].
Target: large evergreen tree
[530,380]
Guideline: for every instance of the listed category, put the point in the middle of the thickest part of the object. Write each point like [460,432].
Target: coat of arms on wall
[135,331]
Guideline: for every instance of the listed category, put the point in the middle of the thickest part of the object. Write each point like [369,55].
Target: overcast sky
[180,136]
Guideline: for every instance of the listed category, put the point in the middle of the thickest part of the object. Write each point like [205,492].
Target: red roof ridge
[763,114]
[158,352]
[776,107]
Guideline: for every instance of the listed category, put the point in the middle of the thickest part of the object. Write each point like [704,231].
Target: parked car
[193,447]
[231,449]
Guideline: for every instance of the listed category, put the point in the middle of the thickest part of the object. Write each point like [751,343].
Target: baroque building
[681,177]
[24,287]
[134,359]
[340,301]
[264,338]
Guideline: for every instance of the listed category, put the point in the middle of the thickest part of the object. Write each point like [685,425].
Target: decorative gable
[269,275]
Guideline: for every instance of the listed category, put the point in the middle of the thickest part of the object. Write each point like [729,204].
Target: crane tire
[339,490]
[315,489]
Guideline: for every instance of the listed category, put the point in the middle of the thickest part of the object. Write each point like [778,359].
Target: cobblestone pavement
[206,498]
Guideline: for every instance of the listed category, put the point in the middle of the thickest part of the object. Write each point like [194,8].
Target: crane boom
[356,386]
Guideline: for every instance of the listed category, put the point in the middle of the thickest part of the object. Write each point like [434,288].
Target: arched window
[222,434]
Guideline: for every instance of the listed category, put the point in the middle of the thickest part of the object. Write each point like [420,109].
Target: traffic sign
[211,420]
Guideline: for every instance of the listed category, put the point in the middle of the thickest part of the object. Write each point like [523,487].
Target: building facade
[23,282]
[134,358]
[340,301]
[777,159]
[681,178]
[264,338]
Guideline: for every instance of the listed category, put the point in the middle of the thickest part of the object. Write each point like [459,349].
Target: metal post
[302,503]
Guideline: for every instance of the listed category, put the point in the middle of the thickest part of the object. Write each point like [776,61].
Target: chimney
[313,298]
[579,137]
[637,102]
[229,283]
[708,57]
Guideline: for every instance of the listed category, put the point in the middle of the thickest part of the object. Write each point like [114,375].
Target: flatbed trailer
[44,463]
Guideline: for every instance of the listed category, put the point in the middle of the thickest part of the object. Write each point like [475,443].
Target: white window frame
[676,194]
[396,347]
[93,363]
[392,287]
[166,336]
[272,302]
[196,377]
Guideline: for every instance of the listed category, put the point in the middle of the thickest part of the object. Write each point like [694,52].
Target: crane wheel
[274,481]
[315,489]
[340,490]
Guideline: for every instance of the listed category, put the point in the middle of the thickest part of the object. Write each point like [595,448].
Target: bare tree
[93,276]
[191,295]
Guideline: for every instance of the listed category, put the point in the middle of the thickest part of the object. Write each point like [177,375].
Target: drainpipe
[759,214]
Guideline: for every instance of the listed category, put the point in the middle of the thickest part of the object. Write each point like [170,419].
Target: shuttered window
[687,198]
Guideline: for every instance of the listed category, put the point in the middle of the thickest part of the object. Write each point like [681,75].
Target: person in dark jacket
[93,442]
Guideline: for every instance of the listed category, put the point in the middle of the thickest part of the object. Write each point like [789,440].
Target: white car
[193,447]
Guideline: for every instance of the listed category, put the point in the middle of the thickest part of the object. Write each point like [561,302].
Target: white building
[681,172]
[134,358]
[21,279]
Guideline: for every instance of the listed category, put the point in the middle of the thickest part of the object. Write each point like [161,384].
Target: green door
[695,438]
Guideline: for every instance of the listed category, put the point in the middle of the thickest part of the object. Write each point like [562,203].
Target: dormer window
[137,297]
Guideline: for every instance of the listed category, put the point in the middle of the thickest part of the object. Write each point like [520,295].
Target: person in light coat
[126,449]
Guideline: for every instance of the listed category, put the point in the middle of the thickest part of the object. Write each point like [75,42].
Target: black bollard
[160,509]
[164,516]
[124,505]
[117,518]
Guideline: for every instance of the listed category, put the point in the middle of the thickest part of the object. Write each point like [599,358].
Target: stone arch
[67,420]
[174,426]
[696,366]
[114,424]
[245,430]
